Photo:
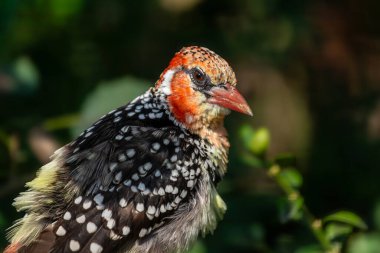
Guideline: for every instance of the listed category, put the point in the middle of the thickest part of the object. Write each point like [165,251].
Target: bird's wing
[132,186]
[125,178]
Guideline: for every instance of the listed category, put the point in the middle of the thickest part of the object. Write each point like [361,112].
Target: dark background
[309,69]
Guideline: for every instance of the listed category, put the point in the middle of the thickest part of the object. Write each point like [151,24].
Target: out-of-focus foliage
[106,97]
[327,230]
[309,69]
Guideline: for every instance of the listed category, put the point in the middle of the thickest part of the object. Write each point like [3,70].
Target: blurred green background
[309,69]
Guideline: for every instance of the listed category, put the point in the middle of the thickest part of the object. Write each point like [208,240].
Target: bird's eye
[198,76]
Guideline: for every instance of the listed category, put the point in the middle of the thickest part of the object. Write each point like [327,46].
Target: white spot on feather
[157,173]
[95,248]
[141,186]
[111,223]
[173,158]
[114,236]
[147,166]
[122,158]
[127,182]
[151,210]
[143,232]
[118,176]
[60,231]
[131,152]
[67,216]
[87,204]
[161,191]
[99,199]
[74,245]
[107,214]
[81,219]
[168,188]
[135,177]
[126,230]
[91,227]
[140,207]
[78,200]
[156,146]
[183,193]
[123,202]
[113,166]
[166,82]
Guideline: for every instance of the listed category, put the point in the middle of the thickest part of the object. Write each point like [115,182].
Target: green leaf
[252,160]
[290,209]
[292,177]
[346,217]
[256,141]
[26,74]
[296,211]
[246,133]
[335,230]
[260,141]
[365,243]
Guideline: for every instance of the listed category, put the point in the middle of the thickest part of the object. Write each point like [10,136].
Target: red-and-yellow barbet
[142,178]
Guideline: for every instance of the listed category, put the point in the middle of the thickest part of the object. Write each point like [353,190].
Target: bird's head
[201,89]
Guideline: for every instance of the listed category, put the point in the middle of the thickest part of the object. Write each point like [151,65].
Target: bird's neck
[206,127]
[211,130]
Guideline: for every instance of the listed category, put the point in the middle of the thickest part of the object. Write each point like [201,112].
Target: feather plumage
[140,179]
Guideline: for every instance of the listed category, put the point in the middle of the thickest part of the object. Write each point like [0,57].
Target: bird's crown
[215,67]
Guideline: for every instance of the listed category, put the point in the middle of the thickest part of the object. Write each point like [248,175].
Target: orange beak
[229,97]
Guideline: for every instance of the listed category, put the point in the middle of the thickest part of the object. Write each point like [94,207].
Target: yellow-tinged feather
[42,184]
[26,230]
[45,177]
[220,206]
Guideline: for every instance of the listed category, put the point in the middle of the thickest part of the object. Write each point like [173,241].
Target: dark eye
[198,76]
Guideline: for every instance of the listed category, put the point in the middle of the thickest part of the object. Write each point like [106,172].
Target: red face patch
[183,100]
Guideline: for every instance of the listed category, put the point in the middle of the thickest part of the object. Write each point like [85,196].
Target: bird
[143,177]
